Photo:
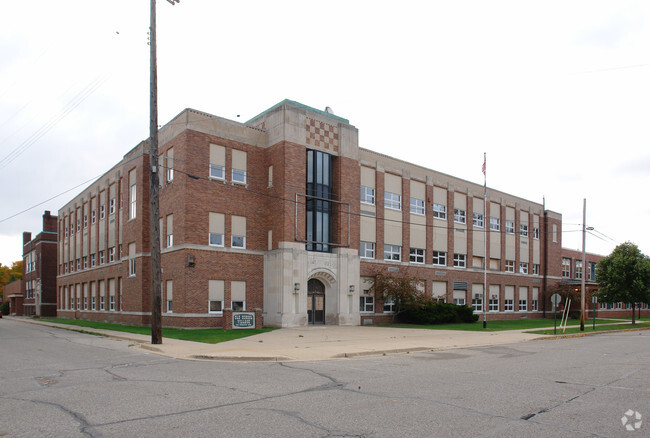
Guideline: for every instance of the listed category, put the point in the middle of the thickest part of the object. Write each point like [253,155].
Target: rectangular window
[416,255]
[477,220]
[93,301]
[101,257]
[131,267]
[216,239]
[170,165]
[579,269]
[170,230]
[93,217]
[366,304]
[392,252]
[495,224]
[217,172]
[85,303]
[440,211]
[239,176]
[215,306]
[523,268]
[85,259]
[536,233]
[239,166]
[102,305]
[78,264]
[169,306]
[440,258]
[111,303]
[111,206]
[367,250]
[510,266]
[389,305]
[111,254]
[459,216]
[78,224]
[459,260]
[510,227]
[102,212]
[238,238]
[238,306]
[392,201]
[493,305]
[535,269]
[417,206]
[533,305]
[477,304]
[508,305]
[92,260]
[523,305]
[133,206]
[523,230]
[367,195]
[78,303]
[566,267]
[86,221]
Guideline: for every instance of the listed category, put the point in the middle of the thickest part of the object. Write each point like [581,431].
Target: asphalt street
[60,383]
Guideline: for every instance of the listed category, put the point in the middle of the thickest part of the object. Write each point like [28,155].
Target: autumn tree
[624,276]
[7,274]
[401,290]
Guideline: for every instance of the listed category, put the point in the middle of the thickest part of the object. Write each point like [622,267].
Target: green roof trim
[300,105]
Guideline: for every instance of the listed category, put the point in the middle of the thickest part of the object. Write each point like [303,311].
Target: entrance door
[315,302]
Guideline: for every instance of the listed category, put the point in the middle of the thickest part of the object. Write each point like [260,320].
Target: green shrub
[437,313]
[4,309]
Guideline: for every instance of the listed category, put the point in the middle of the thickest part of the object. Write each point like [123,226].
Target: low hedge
[437,313]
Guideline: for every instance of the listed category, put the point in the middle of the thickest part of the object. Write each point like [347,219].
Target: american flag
[483,168]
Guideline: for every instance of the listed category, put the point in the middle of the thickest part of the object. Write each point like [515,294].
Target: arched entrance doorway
[315,302]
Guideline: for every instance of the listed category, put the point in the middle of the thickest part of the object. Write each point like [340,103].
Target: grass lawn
[208,336]
[589,328]
[495,326]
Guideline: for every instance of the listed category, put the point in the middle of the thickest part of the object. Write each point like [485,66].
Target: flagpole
[485,230]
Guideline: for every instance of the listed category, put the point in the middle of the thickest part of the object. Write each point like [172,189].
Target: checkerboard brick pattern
[321,134]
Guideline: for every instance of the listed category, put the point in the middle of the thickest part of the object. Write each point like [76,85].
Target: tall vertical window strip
[132,195]
[319,208]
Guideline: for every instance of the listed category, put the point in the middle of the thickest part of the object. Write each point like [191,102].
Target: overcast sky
[557,93]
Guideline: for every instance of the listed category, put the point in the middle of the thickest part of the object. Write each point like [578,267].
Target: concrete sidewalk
[313,343]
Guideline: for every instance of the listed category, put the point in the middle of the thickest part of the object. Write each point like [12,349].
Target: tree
[402,291]
[624,276]
[7,275]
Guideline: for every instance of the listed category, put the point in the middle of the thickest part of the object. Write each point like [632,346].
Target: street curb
[582,335]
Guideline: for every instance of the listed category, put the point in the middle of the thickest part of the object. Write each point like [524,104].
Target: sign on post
[556,299]
[243,320]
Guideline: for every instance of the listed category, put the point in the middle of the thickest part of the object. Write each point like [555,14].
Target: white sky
[556,92]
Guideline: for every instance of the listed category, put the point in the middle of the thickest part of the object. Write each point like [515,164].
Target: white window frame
[578,269]
[102,212]
[102,303]
[170,240]
[85,221]
[535,268]
[238,176]
[366,302]
[93,217]
[509,305]
[93,303]
[240,308]
[390,251]
[243,242]
[523,267]
[535,233]
[416,255]
[417,206]
[392,201]
[169,308]
[440,211]
[523,230]
[533,305]
[460,216]
[460,261]
[389,305]
[477,220]
[367,195]
[111,254]
[132,267]
[440,257]
[133,202]
[510,266]
[495,224]
[111,303]
[523,305]
[493,305]
[566,263]
[111,206]
[367,250]
[101,257]
[211,235]
[218,312]
[510,227]
[217,172]
[92,260]
[477,304]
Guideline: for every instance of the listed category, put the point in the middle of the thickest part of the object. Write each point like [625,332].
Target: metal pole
[485,230]
[584,265]
[154,213]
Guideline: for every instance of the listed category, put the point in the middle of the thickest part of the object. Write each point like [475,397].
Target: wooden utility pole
[154,172]
[584,265]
